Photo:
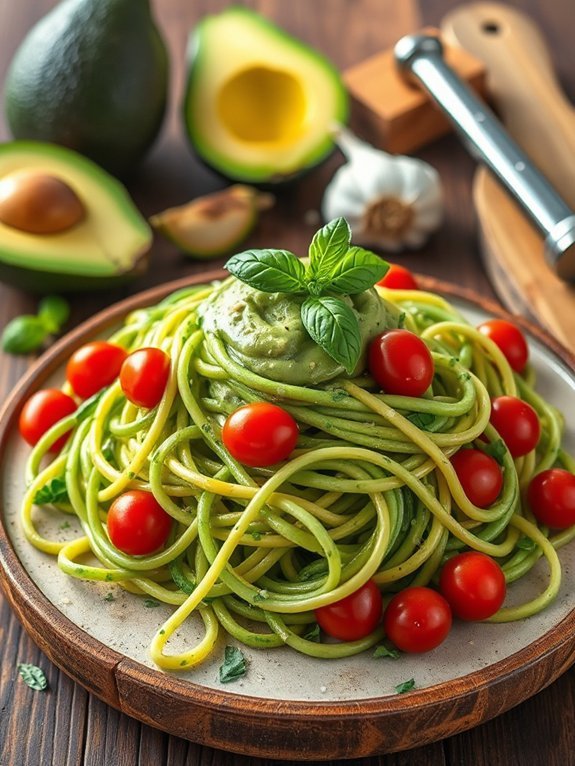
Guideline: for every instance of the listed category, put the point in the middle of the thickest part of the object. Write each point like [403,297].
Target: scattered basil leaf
[179,578]
[151,603]
[53,311]
[421,419]
[526,544]
[109,597]
[33,676]
[234,665]
[23,335]
[386,651]
[271,271]
[332,324]
[327,248]
[313,634]
[52,493]
[357,271]
[406,686]
[497,450]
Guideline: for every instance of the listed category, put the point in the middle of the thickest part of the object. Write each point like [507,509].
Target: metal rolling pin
[421,57]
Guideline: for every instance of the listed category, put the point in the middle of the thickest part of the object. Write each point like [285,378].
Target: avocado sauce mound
[264,333]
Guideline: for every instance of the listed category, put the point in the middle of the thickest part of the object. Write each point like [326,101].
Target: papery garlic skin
[390,202]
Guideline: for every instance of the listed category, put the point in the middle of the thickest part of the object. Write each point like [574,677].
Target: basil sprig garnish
[335,269]
[28,332]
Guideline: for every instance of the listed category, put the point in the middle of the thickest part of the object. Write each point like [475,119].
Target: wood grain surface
[67,726]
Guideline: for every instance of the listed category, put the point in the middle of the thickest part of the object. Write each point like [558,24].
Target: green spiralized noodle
[369,492]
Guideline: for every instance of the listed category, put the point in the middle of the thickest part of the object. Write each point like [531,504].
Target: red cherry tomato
[400,363]
[43,410]
[417,619]
[137,523]
[551,497]
[144,375]
[510,340]
[355,616]
[398,278]
[473,584]
[260,434]
[94,366]
[480,475]
[517,424]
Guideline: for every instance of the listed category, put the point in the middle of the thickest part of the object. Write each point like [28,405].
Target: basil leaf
[271,271]
[313,634]
[359,270]
[386,651]
[334,327]
[421,419]
[53,312]
[327,248]
[497,450]
[234,665]
[23,335]
[33,676]
[53,492]
[151,603]
[406,686]
[526,544]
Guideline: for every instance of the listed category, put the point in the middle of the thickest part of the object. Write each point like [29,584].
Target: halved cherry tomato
[473,584]
[417,619]
[400,363]
[517,424]
[480,475]
[398,278]
[144,375]
[137,523]
[43,410]
[510,340]
[551,497]
[94,366]
[355,616]
[260,434]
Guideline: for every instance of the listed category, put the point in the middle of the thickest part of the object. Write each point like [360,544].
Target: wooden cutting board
[528,98]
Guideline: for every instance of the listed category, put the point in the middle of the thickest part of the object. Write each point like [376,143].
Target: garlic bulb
[390,201]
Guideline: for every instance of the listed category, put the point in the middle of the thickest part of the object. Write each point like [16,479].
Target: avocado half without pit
[65,224]
[260,105]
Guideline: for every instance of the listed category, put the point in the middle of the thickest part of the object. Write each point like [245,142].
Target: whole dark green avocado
[92,75]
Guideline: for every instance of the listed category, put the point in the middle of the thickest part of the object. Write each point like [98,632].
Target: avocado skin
[40,282]
[92,75]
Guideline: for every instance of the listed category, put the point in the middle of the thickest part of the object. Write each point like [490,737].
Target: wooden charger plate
[287,706]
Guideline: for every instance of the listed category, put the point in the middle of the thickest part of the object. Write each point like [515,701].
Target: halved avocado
[259,104]
[106,247]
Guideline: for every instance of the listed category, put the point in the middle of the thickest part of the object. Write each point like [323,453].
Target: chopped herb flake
[406,686]
[109,597]
[526,544]
[53,492]
[151,603]
[33,676]
[234,665]
[313,634]
[386,651]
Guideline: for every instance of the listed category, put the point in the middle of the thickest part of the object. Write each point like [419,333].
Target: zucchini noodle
[369,491]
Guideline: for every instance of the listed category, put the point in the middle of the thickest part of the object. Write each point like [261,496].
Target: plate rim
[120,680]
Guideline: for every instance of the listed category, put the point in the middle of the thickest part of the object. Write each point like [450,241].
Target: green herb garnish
[335,268]
[386,651]
[234,665]
[421,419]
[406,686]
[28,332]
[526,544]
[151,603]
[33,676]
[109,597]
[313,634]
[52,493]
[497,450]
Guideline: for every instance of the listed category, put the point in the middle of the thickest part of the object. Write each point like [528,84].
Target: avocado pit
[39,203]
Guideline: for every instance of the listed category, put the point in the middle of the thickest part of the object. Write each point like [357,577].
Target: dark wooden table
[66,726]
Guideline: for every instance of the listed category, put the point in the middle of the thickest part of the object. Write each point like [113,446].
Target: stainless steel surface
[421,57]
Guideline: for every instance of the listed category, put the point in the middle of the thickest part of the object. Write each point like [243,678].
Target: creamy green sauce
[264,332]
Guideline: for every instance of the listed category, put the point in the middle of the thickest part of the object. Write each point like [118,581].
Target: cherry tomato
[137,523]
[417,619]
[94,366]
[355,616]
[473,584]
[398,278]
[400,363]
[517,424]
[510,340]
[260,434]
[43,410]
[144,375]
[551,497]
[480,475]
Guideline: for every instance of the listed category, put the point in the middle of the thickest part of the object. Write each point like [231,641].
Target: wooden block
[398,116]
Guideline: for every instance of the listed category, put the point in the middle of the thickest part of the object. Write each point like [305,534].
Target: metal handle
[422,57]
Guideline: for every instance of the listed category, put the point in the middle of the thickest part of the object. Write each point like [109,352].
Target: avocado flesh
[107,247]
[260,105]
